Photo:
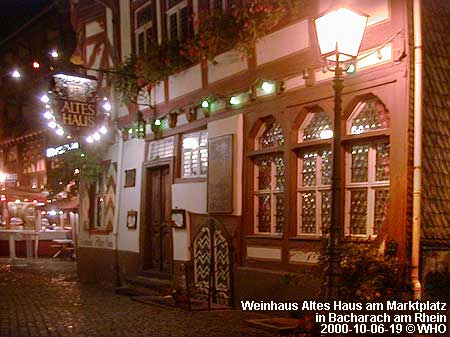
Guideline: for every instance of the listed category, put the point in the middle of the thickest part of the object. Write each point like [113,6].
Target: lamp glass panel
[340,32]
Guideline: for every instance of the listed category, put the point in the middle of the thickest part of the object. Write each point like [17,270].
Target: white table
[28,234]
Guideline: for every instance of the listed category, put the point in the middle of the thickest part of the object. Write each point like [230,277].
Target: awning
[13,194]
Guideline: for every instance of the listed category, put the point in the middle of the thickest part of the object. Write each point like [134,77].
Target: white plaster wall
[109,27]
[283,42]
[158,94]
[93,28]
[264,253]
[228,63]
[185,82]
[192,198]
[125,28]
[233,125]
[130,198]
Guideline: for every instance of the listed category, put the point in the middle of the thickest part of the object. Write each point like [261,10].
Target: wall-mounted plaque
[220,174]
[131,219]
[178,217]
[130,178]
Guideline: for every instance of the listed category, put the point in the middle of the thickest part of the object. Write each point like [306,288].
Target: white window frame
[161,146]
[272,193]
[371,185]
[144,29]
[198,135]
[175,10]
[318,188]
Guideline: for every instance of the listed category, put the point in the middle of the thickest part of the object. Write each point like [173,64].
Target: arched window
[369,115]
[269,180]
[314,174]
[367,170]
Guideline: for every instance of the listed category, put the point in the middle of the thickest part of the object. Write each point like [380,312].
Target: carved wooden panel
[220,174]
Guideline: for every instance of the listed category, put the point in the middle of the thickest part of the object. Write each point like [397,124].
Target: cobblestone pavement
[44,299]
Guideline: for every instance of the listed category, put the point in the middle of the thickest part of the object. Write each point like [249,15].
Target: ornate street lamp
[339,35]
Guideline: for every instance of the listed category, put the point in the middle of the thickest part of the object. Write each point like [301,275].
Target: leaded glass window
[319,127]
[272,135]
[369,116]
[162,148]
[314,176]
[367,187]
[313,191]
[195,154]
[269,195]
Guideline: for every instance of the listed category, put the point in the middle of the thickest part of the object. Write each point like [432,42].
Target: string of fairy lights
[18,73]
[49,115]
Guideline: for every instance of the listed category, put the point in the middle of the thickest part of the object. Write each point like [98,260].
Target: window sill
[265,236]
[360,238]
[308,237]
[190,180]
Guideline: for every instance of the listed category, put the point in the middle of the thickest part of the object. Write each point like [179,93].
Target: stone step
[146,286]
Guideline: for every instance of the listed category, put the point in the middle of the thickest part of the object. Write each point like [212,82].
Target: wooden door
[157,247]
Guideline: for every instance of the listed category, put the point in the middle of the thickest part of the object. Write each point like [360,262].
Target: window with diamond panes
[313,191]
[143,27]
[269,195]
[370,115]
[195,154]
[271,136]
[314,177]
[318,126]
[367,188]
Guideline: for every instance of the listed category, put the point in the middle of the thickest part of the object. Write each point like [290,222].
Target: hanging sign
[75,103]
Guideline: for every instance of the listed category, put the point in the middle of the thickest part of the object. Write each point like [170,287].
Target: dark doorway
[157,234]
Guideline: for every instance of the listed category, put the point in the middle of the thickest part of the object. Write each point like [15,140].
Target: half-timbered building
[231,185]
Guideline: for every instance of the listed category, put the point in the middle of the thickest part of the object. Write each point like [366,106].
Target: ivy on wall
[239,28]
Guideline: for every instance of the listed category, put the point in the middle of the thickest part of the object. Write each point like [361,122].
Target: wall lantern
[141,124]
[339,33]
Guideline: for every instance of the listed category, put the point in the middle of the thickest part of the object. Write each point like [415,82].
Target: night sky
[15,13]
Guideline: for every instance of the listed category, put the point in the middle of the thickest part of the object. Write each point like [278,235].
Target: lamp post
[339,34]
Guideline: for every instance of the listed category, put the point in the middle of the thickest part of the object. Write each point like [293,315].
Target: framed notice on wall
[220,174]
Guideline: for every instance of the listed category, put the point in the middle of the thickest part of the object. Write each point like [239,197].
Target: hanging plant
[75,166]
[257,19]
[147,70]
[191,114]
[218,31]
[173,118]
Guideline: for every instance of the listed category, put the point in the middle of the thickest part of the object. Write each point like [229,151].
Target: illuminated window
[367,170]
[143,23]
[195,154]
[269,195]
[178,20]
[370,115]
[161,149]
[314,175]
[270,135]
[269,180]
